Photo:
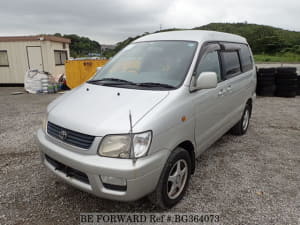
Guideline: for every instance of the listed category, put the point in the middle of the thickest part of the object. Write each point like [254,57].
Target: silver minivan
[137,126]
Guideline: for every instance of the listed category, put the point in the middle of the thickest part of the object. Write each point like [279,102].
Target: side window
[210,63]
[231,64]
[3,58]
[246,59]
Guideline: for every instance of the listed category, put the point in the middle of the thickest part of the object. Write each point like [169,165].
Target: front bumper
[142,176]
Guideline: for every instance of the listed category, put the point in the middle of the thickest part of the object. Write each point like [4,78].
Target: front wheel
[173,180]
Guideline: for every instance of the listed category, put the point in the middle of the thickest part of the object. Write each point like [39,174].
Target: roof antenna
[131,139]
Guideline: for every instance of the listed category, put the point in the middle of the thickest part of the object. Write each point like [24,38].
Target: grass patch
[283,58]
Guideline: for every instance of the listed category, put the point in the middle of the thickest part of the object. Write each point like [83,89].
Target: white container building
[21,53]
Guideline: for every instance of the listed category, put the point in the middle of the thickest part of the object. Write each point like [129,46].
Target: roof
[193,35]
[35,38]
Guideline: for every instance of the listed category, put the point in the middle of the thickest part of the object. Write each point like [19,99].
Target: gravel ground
[253,179]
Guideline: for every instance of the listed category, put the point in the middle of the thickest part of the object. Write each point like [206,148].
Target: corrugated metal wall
[79,71]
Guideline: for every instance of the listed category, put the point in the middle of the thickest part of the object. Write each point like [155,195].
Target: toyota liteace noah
[137,126]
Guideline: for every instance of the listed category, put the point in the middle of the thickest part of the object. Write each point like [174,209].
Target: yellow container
[79,71]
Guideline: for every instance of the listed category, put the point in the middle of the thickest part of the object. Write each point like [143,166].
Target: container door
[35,61]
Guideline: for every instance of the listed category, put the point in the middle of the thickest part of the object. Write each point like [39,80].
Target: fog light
[113,180]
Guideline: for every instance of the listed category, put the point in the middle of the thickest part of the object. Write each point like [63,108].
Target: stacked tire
[298,91]
[266,82]
[286,82]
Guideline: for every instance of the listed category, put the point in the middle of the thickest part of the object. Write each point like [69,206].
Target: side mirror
[99,68]
[206,80]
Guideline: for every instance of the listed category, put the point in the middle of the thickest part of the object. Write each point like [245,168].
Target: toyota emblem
[63,135]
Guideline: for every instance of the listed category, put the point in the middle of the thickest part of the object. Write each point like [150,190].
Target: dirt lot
[253,179]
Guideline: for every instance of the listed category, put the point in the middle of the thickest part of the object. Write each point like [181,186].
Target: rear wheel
[173,181]
[242,126]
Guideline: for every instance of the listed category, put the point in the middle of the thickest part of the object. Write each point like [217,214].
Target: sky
[109,22]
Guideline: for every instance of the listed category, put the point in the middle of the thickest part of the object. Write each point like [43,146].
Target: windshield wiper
[114,80]
[153,84]
[117,81]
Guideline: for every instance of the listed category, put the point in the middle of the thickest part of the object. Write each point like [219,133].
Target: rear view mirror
[206,80]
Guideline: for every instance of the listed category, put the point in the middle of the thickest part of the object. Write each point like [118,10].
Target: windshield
[149,64]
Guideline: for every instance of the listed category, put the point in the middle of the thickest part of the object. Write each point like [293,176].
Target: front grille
[69,136]
[70,172]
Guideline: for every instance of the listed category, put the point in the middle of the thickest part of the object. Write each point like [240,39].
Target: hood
[101,110]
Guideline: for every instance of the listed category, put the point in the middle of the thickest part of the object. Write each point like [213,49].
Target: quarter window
[3,58]
[60,57]
[246,59]
[231,63]
[210,63]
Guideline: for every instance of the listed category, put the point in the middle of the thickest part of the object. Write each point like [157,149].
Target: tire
[162,196]
[287,88]
[265,93]
[242,126]
[265,83]
[267,70]
[287,94]
[263,75]
[286,82]
[287,70]
[266,88]
[286,76]
[266,79]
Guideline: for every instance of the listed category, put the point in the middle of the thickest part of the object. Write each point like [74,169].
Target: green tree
[81,46]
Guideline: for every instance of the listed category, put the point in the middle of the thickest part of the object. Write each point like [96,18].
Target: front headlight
[118,146]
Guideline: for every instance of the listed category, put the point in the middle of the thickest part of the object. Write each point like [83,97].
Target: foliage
[81,46]
[279,57]
[120,45]
[262,39]
[274,43]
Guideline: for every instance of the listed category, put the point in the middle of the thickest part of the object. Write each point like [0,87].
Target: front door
[210,105]
[35,61]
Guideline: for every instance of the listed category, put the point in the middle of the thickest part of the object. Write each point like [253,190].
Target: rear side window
[231,64]
[246,59]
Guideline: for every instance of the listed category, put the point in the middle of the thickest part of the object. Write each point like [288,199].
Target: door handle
[221,92]
[229,88]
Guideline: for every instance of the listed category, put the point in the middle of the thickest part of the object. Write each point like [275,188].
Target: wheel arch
[250,102]
[189,147]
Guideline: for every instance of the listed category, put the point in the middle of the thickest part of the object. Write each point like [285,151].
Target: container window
[3,58]
[60,57]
